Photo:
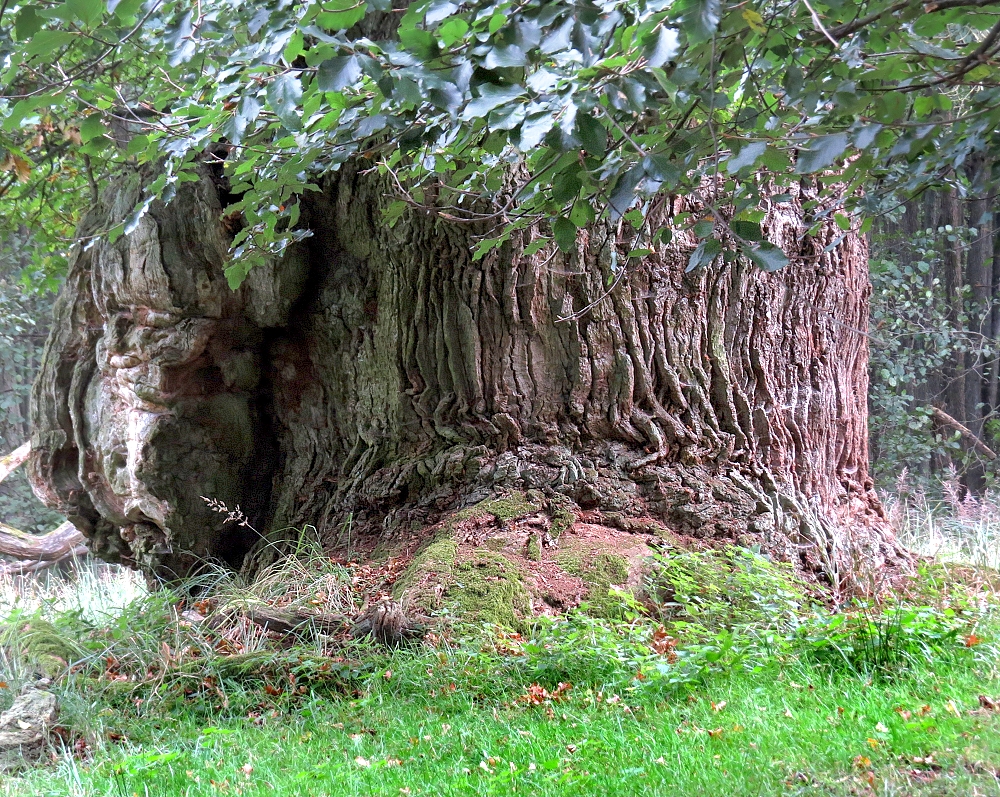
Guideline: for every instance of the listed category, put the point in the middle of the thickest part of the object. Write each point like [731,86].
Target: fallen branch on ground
[35,551]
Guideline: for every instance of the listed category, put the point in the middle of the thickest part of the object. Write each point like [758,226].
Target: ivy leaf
[439,10]
[767,256]
[27,23]
[89,12]
[505,56]
[490,96]
[704,254]
[534,129]
[661,169]
[535,246]
[343,15]
[625,192]
[820,153]
[46,41]
[336,74]
[747,230]
[283,95]
[91,127]
[592,135]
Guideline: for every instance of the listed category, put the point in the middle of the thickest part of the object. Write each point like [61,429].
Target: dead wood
[35,551]
[944,419]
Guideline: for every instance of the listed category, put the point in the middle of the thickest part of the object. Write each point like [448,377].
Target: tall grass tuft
[952,527]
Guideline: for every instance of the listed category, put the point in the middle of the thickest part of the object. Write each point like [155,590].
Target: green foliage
[915,339]
[605,104]
[25,304]
[871,640]
[724,589]
[577,703]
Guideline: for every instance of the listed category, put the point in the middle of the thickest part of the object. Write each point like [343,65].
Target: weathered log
[35,551]
[942,418]
[14,460]
[384,621]
[296,623]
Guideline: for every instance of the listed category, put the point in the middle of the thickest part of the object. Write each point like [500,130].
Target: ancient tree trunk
[379,377]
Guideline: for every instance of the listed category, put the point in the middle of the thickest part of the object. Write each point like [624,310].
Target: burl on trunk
[380,376]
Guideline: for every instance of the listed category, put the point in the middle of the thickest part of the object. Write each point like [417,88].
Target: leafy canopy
[514,112]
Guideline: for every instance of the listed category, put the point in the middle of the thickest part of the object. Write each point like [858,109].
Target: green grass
[769,694]
[455,724]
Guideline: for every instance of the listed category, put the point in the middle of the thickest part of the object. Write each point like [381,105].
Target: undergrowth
[184,692]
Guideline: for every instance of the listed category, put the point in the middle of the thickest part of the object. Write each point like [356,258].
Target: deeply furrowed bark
[378,377]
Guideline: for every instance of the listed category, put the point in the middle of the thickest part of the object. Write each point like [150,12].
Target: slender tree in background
[372,264]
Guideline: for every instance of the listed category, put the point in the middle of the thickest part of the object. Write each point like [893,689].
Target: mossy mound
[481,586]
[504,509]
[601,571]
[433,566]
[489,588]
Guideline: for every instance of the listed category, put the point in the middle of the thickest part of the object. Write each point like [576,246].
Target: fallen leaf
[881,728]
[719,706]
[862,761]
[362,762]
[972,640]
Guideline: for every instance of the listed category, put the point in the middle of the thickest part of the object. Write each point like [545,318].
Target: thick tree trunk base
[378,379]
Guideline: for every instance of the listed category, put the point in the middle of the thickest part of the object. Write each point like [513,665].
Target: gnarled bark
[378,377]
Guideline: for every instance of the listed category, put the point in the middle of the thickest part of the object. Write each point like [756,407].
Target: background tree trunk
[379,377]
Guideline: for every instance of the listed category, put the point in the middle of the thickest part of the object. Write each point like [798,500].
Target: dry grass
[954,528]
[93,589]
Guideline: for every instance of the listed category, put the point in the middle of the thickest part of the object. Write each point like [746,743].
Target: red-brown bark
[378,377]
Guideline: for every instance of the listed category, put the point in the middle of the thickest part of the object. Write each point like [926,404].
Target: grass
[452,723]
[951,528]
[92,589]
[732,679]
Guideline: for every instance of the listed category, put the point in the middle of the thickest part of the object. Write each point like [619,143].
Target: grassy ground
[731,681]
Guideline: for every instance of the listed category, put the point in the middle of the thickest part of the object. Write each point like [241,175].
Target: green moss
[600,572]
[534,548]
[562,519]
[436,561]
[485,588]
[504,509]
[489,588]
[43,643]
[496,543]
